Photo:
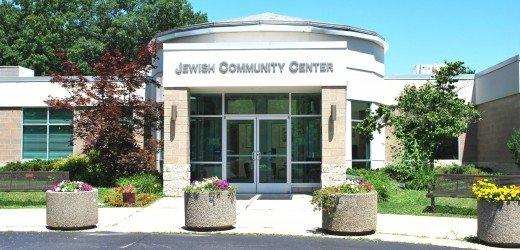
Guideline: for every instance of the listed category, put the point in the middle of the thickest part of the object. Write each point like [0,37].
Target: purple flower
[86,187]
[221,184]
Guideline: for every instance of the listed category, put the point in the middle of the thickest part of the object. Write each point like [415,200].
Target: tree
[514,146]
[110,113]
[425,116]
[32,30]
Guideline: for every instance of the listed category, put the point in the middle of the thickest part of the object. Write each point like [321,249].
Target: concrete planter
[499,223]
[72,210]
[210,211]
[354,214]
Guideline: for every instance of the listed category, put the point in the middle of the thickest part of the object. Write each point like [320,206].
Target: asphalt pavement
[99,240]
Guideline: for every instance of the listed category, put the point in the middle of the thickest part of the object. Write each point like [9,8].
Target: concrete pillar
[333,145]
[176,170]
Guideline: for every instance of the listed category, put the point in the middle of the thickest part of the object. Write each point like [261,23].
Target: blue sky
[480,32]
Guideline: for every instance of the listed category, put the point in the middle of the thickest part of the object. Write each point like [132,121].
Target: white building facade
[268,102]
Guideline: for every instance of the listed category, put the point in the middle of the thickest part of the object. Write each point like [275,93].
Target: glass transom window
[257,103]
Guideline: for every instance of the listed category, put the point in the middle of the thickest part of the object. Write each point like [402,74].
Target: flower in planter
[213,184]
[70,186]
[325,198]
[487,190]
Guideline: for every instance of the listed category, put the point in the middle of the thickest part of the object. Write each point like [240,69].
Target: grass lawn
[413,202]
[29,199]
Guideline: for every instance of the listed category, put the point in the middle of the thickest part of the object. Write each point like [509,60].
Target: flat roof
[426,77]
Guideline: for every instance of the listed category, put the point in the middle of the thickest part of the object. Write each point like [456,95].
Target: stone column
[176,170]
[333,131]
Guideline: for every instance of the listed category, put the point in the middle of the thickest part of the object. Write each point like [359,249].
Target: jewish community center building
[268,102]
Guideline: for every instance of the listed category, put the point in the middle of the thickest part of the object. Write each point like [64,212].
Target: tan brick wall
[176,142]
[333,136]
[466,146]
[499,118]
[391,145]
[10,134]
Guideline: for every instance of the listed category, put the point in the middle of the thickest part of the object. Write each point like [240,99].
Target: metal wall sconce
[174,113]
[333,112]
[332,118]
[173,118]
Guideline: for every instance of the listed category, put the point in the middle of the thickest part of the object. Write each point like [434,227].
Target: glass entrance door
[240,153]
[256,154]
[272,156]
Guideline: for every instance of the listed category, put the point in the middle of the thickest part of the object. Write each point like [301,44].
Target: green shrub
[81,168]
[112,198]
[455,168]
[413,174]
[514,146]
[383,184]
[31,165]
[144,183]
[422,179]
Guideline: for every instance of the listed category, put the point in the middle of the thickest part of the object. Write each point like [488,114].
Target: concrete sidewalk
[259,214]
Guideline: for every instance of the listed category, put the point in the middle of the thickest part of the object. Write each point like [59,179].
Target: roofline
[212,27]
[25,79]
[498,66]
[11,79]
[427,77]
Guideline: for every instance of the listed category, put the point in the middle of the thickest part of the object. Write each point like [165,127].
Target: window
[305,104]
[360,144]
[47,133]
[257,104]
[205,104]
[205,136]
[306,138]
[206,139]
[448,149]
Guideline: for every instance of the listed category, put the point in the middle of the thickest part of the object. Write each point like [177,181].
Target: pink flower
[86,187]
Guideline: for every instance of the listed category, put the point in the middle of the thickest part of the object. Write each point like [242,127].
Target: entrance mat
[275,197]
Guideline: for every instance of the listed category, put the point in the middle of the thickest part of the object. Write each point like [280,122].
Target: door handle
[253,155]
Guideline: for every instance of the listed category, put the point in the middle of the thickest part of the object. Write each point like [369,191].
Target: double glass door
[256,153]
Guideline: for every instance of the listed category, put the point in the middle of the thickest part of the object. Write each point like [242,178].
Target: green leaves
[514,146]
[425,115]
[31,31]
